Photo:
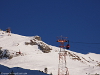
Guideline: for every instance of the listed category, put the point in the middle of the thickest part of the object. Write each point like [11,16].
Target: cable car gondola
[68,46]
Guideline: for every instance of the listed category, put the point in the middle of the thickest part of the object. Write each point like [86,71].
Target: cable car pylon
[62,68]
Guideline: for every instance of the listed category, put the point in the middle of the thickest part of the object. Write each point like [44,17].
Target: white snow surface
[33,58]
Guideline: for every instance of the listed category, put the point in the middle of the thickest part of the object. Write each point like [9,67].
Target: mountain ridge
[34,58]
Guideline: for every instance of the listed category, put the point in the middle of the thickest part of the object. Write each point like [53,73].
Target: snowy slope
[35,59]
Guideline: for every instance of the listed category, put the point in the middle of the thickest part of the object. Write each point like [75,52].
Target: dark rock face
[30,43]
[45,49]
[0,48]
[33,42]
[37,41]
[4,54]
[38,38]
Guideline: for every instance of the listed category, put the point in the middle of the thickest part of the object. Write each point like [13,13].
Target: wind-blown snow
[33,58]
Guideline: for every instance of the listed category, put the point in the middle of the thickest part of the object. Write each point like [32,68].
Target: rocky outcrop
[30,43]
[33,41]
[45,48]
[0,48]
[42,46]
[38,38]
[4,54]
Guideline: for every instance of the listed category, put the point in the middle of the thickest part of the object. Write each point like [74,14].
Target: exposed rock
[45,49]
[0,48]
[38,38]
[27,43]
[37,41]
[10,57]
[1,52]
[45,70]
[33,43]
[4,53]
[98,64]
[30,43]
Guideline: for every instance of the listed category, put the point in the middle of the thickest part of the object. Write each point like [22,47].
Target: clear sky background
[79,20]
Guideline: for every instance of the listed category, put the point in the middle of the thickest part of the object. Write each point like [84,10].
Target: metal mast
[62,69]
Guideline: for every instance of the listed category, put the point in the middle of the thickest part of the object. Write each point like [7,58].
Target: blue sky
[79,20]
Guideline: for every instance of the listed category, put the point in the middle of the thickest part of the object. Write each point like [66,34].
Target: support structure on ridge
[62,68]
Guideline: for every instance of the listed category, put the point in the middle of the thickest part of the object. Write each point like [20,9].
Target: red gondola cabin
[67,47]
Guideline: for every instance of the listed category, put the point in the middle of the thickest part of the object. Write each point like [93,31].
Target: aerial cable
[87,44]
[84,42]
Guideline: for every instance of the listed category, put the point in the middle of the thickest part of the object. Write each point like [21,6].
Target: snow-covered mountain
[34,54]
